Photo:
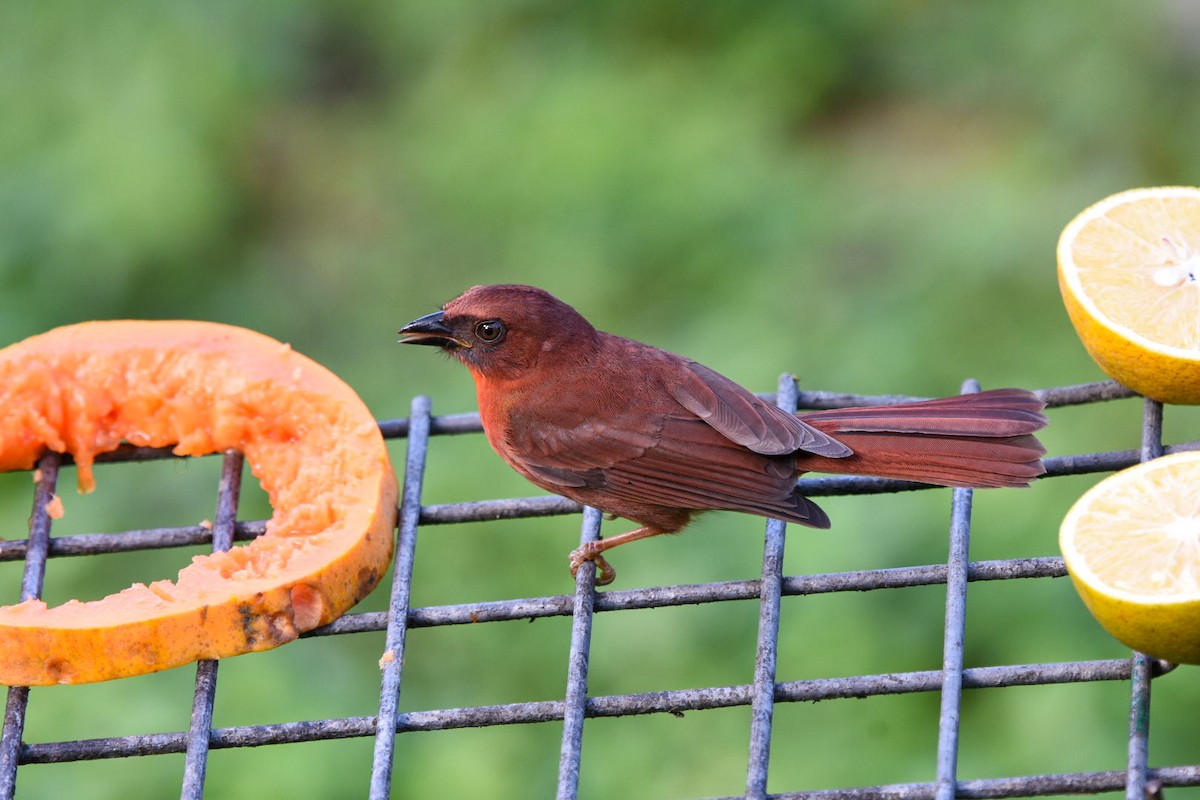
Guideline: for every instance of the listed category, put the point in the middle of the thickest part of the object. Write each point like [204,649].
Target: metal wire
[205,695]
[575,707]
[392,661]
[45,480]
[1139,704]
[955,632]
[762,703]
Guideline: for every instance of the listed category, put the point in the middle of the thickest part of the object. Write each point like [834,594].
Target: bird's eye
[490,330]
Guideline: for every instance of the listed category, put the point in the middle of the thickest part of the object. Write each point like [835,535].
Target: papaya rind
[203,387]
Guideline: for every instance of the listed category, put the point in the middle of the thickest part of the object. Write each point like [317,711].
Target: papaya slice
[203,388]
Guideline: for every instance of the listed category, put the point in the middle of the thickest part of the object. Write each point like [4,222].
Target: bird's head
[502,332]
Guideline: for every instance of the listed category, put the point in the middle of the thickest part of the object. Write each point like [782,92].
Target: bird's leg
[593,551]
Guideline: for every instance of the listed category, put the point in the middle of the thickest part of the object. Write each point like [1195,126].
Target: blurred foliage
[866,194]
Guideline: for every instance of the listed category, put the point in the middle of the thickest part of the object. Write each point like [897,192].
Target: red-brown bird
[654,437]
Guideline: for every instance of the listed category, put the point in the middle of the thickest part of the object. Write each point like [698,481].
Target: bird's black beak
[430,329]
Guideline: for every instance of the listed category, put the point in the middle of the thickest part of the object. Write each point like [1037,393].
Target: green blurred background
[865,194]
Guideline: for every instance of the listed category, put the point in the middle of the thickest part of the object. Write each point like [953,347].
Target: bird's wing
[746,419]
[696,467]
[574,452]
[685,463]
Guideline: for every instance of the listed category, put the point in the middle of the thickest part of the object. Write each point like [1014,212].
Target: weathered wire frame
[1138,780]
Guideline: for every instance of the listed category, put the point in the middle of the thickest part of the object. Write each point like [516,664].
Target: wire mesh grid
[572,711]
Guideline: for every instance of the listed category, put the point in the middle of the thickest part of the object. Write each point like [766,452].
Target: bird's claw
[593,552]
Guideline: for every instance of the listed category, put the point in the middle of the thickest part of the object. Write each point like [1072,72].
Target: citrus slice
[202,387]
[1132,547]
[1129,271]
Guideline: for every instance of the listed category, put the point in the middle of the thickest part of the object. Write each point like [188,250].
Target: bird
[656,438]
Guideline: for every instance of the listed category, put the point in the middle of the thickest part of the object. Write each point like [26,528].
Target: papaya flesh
[202,387]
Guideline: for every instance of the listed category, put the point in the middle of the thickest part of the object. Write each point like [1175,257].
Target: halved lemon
[1132,547]
[1129,271]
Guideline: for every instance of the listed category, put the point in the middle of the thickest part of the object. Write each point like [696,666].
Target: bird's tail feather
[975,440]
